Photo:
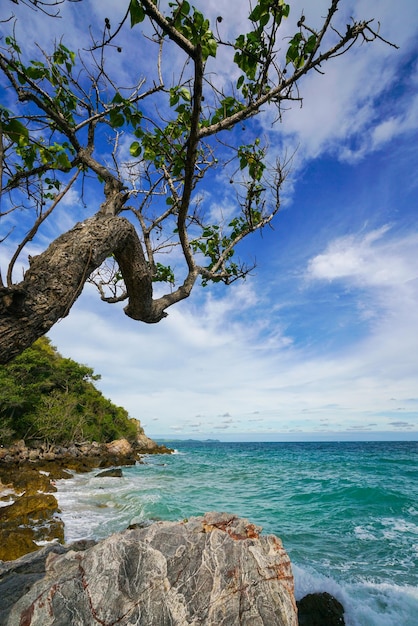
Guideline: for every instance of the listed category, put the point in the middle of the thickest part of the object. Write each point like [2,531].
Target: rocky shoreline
[29,513]
[29,518]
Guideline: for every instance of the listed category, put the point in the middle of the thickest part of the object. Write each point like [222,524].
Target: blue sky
[321,340]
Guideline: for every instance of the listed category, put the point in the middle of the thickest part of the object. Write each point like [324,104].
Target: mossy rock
[28,520]
[27,509]
[14,544]
[27,479]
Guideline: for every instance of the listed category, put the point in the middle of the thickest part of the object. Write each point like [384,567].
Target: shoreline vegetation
[54,421]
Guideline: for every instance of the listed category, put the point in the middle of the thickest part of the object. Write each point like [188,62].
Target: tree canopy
[70,121]
[46,397]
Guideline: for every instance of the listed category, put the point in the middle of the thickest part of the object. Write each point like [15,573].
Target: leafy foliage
[149,146]
[48,397]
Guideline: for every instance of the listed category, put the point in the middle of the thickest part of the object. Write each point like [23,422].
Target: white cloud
[393,126]
[367,260]
[205,357]
[340,111]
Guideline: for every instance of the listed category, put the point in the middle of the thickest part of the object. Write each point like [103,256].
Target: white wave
[94,507]
[364,533]
[401,526]
[365,603]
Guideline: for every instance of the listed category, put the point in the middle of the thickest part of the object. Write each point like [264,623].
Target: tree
[69,109]
[47,397]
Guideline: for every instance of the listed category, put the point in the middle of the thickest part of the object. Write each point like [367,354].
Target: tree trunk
[56,278]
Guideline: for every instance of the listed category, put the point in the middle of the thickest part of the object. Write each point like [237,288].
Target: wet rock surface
[29,514]
[28,511]
[110,473]
[214,571]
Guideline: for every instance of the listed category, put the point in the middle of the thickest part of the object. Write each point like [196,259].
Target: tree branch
[282,91]
[152,11]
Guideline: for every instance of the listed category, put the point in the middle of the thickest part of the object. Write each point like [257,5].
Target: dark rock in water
[320,609]
[214,570]
[115,473]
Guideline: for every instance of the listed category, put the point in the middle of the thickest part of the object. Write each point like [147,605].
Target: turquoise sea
[347,513]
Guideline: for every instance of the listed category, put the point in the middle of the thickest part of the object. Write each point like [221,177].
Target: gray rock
[112,473]
[17,577]
[214,570]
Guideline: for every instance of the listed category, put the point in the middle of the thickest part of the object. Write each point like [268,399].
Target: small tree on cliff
[73,124]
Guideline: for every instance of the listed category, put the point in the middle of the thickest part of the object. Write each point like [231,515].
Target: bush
[51,398]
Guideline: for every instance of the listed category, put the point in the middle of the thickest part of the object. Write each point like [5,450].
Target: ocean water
[347,513]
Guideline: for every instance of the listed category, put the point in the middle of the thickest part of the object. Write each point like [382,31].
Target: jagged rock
[84,455]
[145,443]
[210,571]
[36,507]
[119,447]
[25,479]
[113,473]
[32,472]
[320,609]
[17,577]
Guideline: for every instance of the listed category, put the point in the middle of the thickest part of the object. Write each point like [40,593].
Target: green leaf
[185,8]
[285,9]
[163,273]
[255,14]
[264,20]
[17,132]
[310,44]
[174,96]
[240,81]
[210,48]
[11,41]
[116,118]
[136,12]
[185,94]
[135,149]
[63,162]
[117,98]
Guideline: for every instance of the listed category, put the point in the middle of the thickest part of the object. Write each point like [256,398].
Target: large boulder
[214,570]
[320,609]
[119,447]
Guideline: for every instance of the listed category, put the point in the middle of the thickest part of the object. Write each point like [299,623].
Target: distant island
[189,440]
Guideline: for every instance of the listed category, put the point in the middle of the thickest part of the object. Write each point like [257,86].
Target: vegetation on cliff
[48,398]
